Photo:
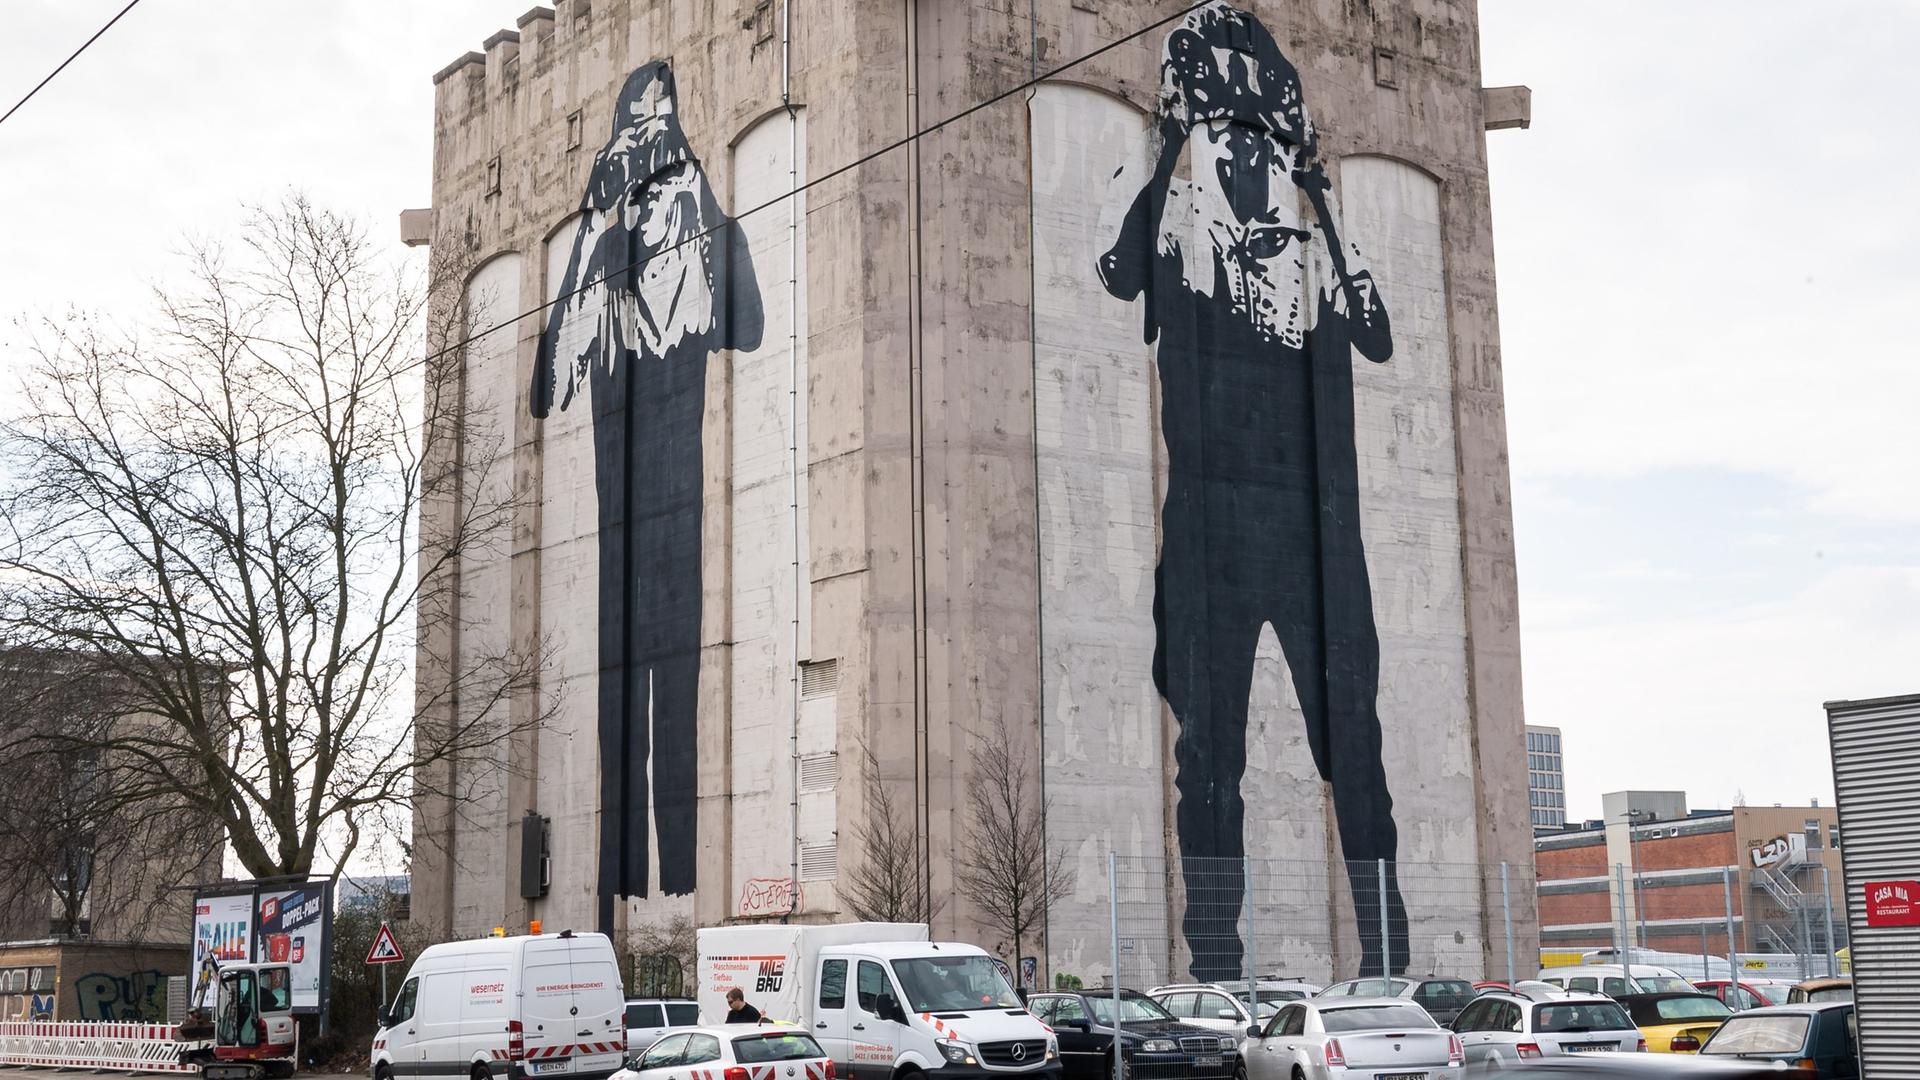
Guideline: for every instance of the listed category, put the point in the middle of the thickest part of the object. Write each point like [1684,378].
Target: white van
[1611,979]
[882,1000]
[514,1007]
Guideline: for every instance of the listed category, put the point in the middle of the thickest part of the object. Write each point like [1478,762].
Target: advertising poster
[1893,903]
[292,930]
[222,933]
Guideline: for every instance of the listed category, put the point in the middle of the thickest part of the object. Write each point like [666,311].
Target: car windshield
[1690,1007]
[780,1046]
[1376,1018]
[1377,987]
[1270,1000]
[1134,1008]
[1779,1034]
[1580,1016]
[1832,993]
[1444,993]
[954,983]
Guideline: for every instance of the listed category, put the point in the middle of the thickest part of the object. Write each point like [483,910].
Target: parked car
[1442,998]
[1273,988]
[1503,1029]
[1815,1039]
[1155,1045]
[1749,994]
[650,1018]
[1637,1067]
[718,1050]
[1676,1023]
[1211,1006]
[1340,1036]
[1820,990]
[1611,979]
[1532,989]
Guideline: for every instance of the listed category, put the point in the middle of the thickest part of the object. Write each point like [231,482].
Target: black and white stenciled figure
[667,281]
[1258,311]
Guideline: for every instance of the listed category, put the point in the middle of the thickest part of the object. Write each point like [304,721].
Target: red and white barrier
[85,1045]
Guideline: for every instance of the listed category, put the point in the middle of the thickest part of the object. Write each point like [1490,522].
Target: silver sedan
[1350,1038]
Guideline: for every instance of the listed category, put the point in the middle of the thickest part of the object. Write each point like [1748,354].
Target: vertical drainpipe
[793,435]
[916,449]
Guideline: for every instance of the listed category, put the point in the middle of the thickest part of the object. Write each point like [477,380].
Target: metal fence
[1157,921]
[1319,921]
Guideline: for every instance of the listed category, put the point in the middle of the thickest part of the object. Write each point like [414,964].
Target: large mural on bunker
[1249,517]
[1261,517]
[657,280]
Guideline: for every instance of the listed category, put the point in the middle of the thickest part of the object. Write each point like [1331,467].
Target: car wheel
[1240,1071]
[480,1072]
[382,1071]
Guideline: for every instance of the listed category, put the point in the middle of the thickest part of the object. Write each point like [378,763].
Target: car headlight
[958,1053]
[1157,1046]
[1053,1048]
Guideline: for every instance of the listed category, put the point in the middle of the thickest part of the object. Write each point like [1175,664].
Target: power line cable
[838,171]
[68,60]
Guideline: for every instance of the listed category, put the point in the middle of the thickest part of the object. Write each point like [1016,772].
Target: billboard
[292,927]
[282,924]
[222,933]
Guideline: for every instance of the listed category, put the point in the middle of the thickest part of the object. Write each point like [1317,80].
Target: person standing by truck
[738,1011]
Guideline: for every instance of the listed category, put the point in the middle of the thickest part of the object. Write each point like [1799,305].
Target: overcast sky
[1704,250]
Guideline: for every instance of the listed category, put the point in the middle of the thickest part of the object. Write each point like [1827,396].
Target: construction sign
[385,949]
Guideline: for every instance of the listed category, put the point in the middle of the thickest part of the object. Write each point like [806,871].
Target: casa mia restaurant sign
[1893,903]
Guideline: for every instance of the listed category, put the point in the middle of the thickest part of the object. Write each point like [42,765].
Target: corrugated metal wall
[1876,777]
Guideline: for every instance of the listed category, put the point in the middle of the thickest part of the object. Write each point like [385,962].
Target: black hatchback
[1815,1039]
[1155,1046]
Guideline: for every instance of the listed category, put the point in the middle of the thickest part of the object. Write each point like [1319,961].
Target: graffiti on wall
[1257,309]
[658,279]
[770,896]
[137,995]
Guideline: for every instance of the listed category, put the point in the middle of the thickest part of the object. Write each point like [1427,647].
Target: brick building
[1777,867]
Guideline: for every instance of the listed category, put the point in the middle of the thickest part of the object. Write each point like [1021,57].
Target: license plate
[1590,1048]
[557,1065]
[1208,1062]
[1402,1076]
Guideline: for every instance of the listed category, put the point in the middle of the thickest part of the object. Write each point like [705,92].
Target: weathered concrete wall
[982,457]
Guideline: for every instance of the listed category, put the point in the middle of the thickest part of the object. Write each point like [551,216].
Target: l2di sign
[1893,903]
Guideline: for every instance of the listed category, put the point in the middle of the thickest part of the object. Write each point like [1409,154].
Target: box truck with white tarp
[885,1002]
[1876,781]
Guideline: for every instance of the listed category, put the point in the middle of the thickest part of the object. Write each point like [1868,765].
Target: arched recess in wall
[1410,519]
[1095,453]
[770,580]
[568,748]
[490,396]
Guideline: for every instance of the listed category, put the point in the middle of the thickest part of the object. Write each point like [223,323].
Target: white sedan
[1348,1037]
[730,1052]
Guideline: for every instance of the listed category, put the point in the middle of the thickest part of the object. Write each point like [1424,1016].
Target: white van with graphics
[514,1007]
[883,1001]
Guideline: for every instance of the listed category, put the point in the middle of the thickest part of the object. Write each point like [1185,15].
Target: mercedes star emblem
[1019,1051]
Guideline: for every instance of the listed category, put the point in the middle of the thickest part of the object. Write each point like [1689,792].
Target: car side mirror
[385,1017]
[1226,1014]
[889,1009]
[1077,1025]
[1253,1031]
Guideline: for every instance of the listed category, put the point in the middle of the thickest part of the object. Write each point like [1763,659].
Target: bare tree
[221,512]
[1008,873]
[889,883]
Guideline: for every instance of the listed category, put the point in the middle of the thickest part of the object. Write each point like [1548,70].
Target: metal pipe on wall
[793,435]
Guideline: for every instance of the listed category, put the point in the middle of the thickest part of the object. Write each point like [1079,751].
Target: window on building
[1833,836]
[1816,838]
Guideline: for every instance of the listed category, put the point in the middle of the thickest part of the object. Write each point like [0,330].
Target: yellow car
[1675,1023]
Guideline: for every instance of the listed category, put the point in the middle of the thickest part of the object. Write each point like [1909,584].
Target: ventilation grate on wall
[819,679]
[819,772]
[819,862]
